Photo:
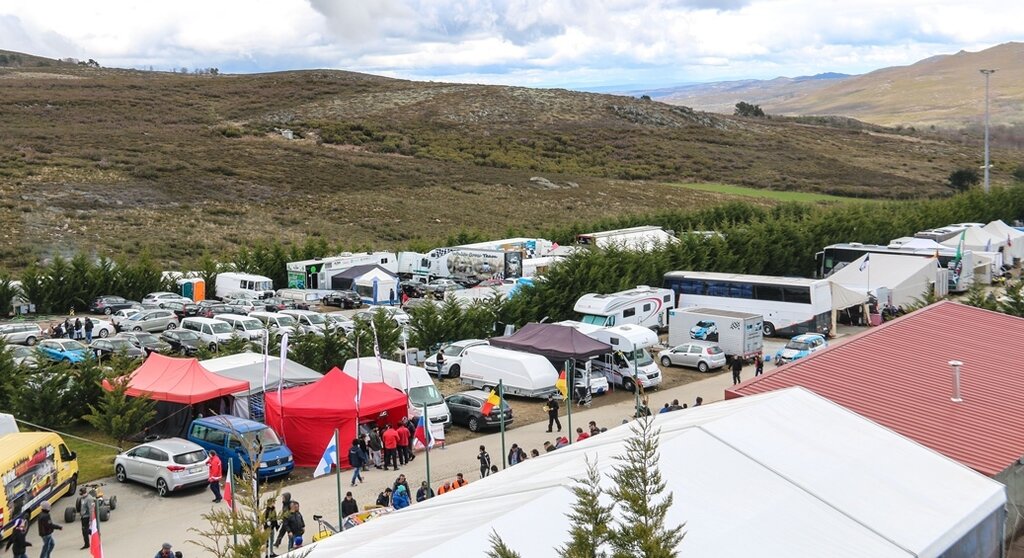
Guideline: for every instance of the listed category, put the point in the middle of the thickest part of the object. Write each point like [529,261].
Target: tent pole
[571,386]
[337,472]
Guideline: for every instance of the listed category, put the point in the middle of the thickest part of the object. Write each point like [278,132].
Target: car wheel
[172,325]
[474,424]
[104,513]
[162,489]
[454,371]
[66,360]
[69,514]
[30,341]
[120,474]
[107,311]
[213,346]
[104,332]
[769,329]
[628,385]
[113,502]
[702,367]
[137,328]
[666,362]
[73,485]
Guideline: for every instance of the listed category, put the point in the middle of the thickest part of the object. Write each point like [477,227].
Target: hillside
[945,91]
[120,161]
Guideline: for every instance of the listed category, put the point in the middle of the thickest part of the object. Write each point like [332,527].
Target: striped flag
[95,545]
[228,495]
[492,401]
[422,433]
[561,386]
[329,458]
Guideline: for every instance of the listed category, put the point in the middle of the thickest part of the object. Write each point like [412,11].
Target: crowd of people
[80,329]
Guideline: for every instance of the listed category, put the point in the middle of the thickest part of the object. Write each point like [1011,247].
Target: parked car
[413,289]
[182,309]
[211,332]
[212,310]
[800,347]
[452,358]
[21,334]
[275,322]
[63,350]
[146,341]
[308,321]
[103,349]
[100,328]
[108,304]
[244,326]
[151,321]
[181,341]
[339,320]
[393,312]
[121,315]
[159,299]
[702,355]
[168,465]
[438,288]
[704,330]
[467,409]
[243,306]
[342,299]
[22,355]
[233,437]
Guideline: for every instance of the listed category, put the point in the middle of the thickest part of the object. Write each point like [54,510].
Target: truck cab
[234,437]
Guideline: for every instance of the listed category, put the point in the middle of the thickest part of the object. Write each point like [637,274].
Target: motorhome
[412,380]
[644,306]
[243,285]
[472,263]
[316,273]
[631,362]
[634,238]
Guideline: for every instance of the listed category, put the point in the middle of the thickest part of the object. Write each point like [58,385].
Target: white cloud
[538,42]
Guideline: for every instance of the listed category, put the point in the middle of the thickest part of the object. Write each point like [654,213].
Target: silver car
[157,300]
[702,355]
[153,321]
[168,465]
[23,356]
[21,334]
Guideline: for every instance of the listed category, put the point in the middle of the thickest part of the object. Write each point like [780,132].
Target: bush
[962,180]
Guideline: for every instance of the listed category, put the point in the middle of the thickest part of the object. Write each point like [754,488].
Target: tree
[744,108]
[979,298]
[963,179]
[589,519]
[118,415]
[1012,301]
[7,293]
[499,549]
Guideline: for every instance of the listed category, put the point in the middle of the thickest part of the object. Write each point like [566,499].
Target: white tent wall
[1014,239]
[781,474]
[978,239]
[377,287]
[905,277]
[249,367]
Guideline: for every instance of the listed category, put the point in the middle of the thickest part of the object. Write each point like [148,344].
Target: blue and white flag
[864,264]
[329,459]
[988,245]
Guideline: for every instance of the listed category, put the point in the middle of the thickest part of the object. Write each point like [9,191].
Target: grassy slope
[116,162]
[731,190]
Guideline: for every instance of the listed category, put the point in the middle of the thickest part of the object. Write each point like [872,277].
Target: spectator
[424,492]
[581,435]
[460,481]
[17,538]
[534,453]
[400,498]
[516,455]
[391,439]
[674,406]
[286,510]
[561,442]
[349,505]
[214,477]
[384,498]
[548,447]
[485,462]
[88,329]
[664,409]
[446,487]
[400,481]
[46,528]
[165,551]
[376,447]
[698,402]
[551,406]
[357,459]
[295,526]
[494,469]
[593,428]
[411,426]
[403,442]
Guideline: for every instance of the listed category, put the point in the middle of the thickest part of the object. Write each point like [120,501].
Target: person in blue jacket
[400,499]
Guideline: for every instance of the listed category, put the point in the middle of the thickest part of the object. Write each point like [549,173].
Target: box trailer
[740,334]
[523,374]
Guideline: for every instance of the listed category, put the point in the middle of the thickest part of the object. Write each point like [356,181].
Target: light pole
[987,74]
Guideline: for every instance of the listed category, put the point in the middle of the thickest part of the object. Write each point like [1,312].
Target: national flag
[958,264]
[95,545]
[422,433]
[227,495]
[1008,241]
[329,459]
[561,386]
[492,401]
[864,264]
[988,245]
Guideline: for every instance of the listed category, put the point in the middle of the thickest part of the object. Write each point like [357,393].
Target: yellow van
[34,466]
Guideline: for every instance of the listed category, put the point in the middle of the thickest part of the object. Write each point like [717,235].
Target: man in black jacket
[294,525]
[46,528]
[17,539]
[349,505]
[552,408]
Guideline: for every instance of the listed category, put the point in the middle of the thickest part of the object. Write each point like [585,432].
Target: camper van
[243,285]
[232,438]
[35,467]
[630,363]
[523,374]
[643,306]
[413,380]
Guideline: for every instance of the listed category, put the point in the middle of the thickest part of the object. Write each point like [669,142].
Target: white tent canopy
[977,239]
[782,474]
[844,297]
[249,367]
[1013,237]
[905,277]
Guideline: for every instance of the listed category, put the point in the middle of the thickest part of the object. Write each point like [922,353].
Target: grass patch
[94,461]
[778,195]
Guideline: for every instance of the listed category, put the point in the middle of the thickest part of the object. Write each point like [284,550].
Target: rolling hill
[121,162]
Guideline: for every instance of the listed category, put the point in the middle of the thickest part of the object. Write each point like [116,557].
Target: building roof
[898,375]
[778,475]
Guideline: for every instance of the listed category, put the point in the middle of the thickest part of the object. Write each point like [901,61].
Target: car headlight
[263,464]
[290,459]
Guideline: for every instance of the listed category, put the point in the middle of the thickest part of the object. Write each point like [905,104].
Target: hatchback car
[800,347]
[452,358]
[182,341]
[23,356]
[342,299]
[167,465]
[21,334]
[63,350]
[467,409]
[146,341]
[158,300]
[212,310]
[702,355]
[100,328]
[151,321]
[243,306]
[108,304]
[103,349]
[121,315]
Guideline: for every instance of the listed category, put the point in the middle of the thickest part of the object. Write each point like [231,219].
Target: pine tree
[590,520]
[499,549]
[118,415]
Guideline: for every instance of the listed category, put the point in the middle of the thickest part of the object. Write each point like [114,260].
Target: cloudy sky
[564,43]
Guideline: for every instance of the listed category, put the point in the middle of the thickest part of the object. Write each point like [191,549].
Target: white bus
[790,305]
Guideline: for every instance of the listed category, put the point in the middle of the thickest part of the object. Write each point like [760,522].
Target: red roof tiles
[898,375]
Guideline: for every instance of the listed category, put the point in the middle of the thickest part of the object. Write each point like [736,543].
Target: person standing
[17,539]
[485,462]
[86,506]
[88,329]
[294,525]
[349,505]
[270,522]
[440,363]
[403,442]
[737,366]
[79,329]
[516,455]
[390,439]
[68,330]
[424,492]
[376,447]
[216,471]
[46,528]
[758,365]
[357,459]
[411,426]
[286,510]
[552,408]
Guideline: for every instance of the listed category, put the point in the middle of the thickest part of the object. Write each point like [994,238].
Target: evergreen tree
[118,415]
[7,293]
[499,549]
[590,520]
[1012,301]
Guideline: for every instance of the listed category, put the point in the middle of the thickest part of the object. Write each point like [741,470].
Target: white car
[308,321]
[452,358]
[100,328]
[393,312]
[210,331]
[168,465]
[122,315]
[158,299]
[338,320]
[702,355]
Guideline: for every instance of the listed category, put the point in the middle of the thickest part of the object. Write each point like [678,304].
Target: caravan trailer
[644,306]
[635,238]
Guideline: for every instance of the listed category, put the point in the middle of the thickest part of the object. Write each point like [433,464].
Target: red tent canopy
[179,380]
[311,413]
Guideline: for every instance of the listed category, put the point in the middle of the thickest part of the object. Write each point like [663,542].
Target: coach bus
[836,256]
[789,305]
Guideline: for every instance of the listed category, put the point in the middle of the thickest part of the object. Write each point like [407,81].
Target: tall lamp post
[987,74]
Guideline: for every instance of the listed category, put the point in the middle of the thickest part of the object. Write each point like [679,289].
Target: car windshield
[705,324]
[642,357]
[19,351]
[220,327]
[186,335]
[428,395]
[121,344]
[71,345]
[190,458]
[252,324]
[594,320]
[798,345]
[316,319]
[452,350]
[266,436]
[286,321]
[147,338]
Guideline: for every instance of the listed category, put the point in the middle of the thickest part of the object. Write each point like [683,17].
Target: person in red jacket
[403,443]
[215,474]
[390,439]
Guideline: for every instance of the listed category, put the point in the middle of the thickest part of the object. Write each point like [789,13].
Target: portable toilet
[186,287]
[193,287]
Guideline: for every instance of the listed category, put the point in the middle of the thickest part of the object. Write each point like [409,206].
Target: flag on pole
[422,433]
[405,357]
[958,264]
[988,245]
[359,379]
[329,459]
[492,401]
[561,385]
[266,358]
[284,355]
[95,545]
[864,264]
[228,482]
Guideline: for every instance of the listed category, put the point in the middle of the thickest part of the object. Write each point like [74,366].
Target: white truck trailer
[739,334]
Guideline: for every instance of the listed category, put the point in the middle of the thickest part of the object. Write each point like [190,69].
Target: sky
[580,44]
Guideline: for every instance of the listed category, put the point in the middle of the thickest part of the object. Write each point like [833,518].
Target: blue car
[230,437]
[800,347]
[63,350]
[705,330]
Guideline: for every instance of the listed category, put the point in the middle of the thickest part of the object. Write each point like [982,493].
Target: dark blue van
[229,435]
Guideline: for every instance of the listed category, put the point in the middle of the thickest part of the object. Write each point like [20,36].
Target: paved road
[143,521]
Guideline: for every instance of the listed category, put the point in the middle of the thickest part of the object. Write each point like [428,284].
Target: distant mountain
[944,91]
